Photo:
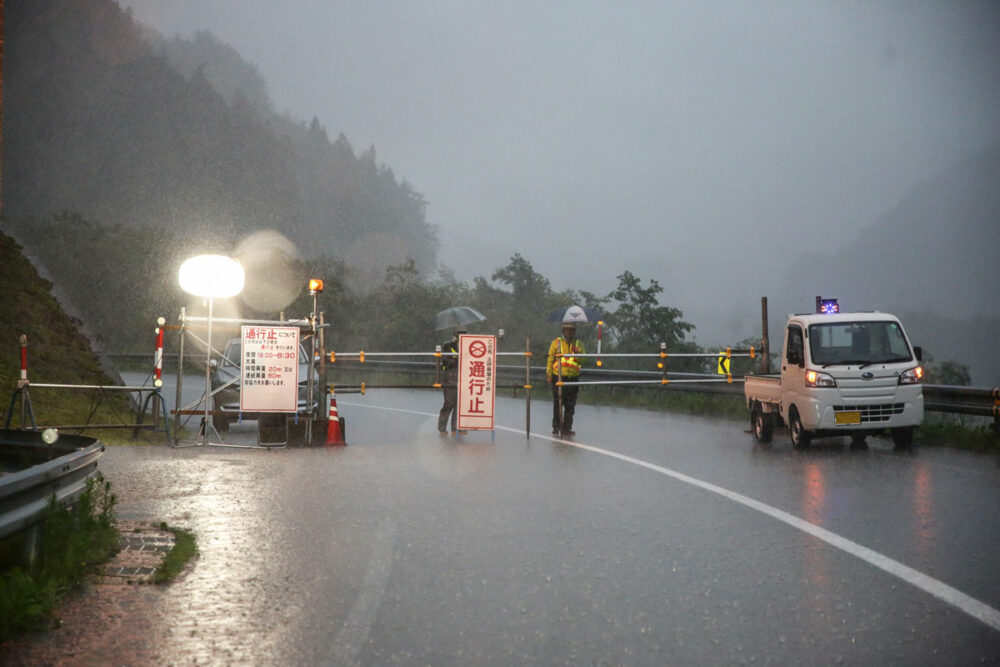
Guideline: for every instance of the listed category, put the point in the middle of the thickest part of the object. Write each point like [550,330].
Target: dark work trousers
[564,422]
[450,401]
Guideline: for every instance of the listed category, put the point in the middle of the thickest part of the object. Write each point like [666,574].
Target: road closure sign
[269,363]
[477,360]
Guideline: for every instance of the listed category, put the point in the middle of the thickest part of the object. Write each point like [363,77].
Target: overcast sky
[691,142]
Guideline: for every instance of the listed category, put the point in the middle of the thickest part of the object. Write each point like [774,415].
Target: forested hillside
[105,119]
[57,350]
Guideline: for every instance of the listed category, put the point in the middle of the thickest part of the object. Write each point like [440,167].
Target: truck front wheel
[762,423]
[902,437]
[800,436]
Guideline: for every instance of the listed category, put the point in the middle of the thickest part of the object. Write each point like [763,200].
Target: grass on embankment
[78,539]
[73,541]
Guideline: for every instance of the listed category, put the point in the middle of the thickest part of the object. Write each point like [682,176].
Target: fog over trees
[105,120]
[143,148]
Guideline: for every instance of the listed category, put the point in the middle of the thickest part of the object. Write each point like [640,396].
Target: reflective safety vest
[568,365]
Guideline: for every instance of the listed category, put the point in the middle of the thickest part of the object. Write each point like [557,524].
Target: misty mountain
[105,119]
[932,259]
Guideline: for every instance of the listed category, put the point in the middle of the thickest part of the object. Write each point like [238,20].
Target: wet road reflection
[406,547]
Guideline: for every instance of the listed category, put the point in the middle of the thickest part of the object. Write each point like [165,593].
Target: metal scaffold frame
[310,326]
[27,415]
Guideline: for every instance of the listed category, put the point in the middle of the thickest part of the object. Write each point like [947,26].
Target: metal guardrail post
[527,387]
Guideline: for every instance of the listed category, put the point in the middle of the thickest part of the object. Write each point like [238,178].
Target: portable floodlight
[213,276]
[210,276]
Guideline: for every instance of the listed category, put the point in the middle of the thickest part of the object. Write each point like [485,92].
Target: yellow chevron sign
[723,367]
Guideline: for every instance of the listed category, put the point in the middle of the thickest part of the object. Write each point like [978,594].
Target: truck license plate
[847,417]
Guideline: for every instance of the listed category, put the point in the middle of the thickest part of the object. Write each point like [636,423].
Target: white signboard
[269,366]
[477,360]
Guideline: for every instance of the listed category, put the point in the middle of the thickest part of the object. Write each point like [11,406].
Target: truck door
[793,368]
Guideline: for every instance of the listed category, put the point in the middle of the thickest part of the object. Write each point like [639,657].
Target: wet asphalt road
[406,547]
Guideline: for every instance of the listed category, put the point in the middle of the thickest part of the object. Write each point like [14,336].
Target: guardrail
[937,398]
[963,400]
[948,399]
[25,495]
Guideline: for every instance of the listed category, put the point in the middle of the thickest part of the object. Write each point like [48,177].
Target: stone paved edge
[142,548]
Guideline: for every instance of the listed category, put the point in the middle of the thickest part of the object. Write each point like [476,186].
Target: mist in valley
[728,151]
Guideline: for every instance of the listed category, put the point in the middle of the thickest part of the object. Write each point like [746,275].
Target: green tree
[400,314]
[521,312]
[640,324]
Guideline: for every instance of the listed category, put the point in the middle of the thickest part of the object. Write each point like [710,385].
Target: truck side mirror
[918,352]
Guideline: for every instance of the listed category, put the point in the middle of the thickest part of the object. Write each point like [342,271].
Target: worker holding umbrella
[562,365]
[455,318]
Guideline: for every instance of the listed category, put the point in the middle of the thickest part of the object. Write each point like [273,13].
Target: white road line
[952,596]
[354,633]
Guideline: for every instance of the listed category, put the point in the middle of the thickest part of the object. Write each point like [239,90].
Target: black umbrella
[457,317]
[575,314]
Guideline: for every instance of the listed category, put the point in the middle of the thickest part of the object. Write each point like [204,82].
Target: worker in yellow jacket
[563,365]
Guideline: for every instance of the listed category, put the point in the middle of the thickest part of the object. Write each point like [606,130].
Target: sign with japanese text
[269,364]
[477,360]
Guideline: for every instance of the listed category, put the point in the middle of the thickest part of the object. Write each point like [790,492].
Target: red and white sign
[269,364]
[477,360]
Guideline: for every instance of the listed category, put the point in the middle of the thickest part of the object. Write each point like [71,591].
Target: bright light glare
[211,276]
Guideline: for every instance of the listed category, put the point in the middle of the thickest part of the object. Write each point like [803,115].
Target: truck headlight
[912,376]
[817,379]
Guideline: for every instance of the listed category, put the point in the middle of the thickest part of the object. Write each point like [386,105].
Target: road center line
[952,596]
[354,633]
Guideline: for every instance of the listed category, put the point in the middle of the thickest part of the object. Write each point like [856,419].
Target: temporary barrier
[144,395]
[369,358]
[363,357]
[263,345]
[214,418]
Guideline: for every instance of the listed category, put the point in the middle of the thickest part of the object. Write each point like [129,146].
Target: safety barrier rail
[946,399]
[25,495]
[963,400]
[23,395]
[514,377]
[937,398]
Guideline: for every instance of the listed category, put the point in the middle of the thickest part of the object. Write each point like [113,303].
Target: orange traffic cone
[334,432]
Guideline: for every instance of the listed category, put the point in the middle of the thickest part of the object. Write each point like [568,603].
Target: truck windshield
[861,343]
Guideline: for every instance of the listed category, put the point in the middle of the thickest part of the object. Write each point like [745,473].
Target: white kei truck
[842,374]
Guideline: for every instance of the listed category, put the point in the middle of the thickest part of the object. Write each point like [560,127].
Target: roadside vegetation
[972,433]
[77,539]
[58,352]
[74,540]
[185,548]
